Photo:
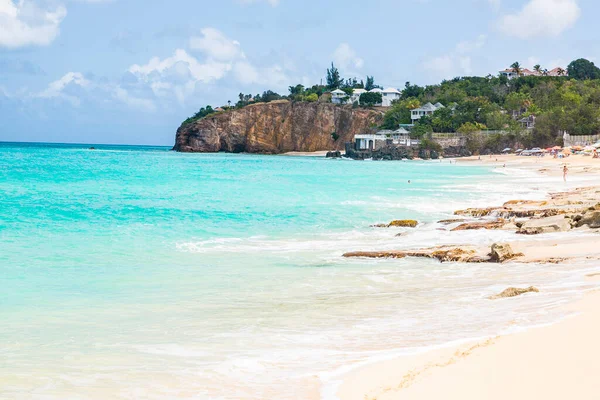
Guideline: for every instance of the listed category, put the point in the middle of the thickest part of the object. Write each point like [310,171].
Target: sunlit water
[131,272]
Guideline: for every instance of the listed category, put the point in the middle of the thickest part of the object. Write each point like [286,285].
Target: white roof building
[427,109]
[389,95]
[375,141]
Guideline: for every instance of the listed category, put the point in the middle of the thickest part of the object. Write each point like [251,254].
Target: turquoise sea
[139,273]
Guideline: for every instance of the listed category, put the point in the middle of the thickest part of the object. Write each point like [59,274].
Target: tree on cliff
[516,68]
[370,99]
[583,69]
[412,91]
[370,85]
[334,80]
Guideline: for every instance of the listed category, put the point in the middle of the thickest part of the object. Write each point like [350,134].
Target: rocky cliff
[277,127]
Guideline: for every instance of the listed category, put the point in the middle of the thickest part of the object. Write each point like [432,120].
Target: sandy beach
[556,361]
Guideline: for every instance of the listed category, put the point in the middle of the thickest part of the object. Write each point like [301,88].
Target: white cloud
[456,63]
[181,67]
[346,58]
[273,3]
[132,101]
[541,18]
[495,4]
[468,46]
[183,74]
[24,24]
[61,88]
[216,45]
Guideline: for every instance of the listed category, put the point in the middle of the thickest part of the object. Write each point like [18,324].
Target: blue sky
[129,71]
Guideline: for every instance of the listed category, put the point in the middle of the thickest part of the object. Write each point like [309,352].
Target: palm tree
[229,103]
[561,72]
[538,68]
[516,68]
[545,72]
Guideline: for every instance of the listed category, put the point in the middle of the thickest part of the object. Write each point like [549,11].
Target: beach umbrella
[507,150]
[519,150]
[557,148]
[577,148]
[596,145]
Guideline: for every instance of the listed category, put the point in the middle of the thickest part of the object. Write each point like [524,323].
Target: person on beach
[565,172]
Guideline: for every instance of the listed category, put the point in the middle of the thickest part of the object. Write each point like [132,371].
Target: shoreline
[483,368]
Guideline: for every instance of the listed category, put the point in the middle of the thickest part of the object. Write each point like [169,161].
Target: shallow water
[132,272]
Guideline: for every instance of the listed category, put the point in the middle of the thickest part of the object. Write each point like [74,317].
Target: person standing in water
[565,172]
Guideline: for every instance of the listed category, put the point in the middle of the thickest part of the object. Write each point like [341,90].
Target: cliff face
[277,127]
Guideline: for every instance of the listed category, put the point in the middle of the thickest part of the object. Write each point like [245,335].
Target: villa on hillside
[375,141]
[427,109]
[510,73]
[388,95]
[527,122]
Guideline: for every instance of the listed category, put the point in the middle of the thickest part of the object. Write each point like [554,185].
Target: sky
[129,71]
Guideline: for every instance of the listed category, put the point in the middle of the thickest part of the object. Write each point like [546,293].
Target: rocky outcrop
[277,127]
[558,223]
[502,252]
[400,223]
[451,221]
[403,223]
[470,226]
[468,254]
[513,292]
[590,218]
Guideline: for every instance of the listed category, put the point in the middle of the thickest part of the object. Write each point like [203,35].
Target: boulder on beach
[470,226]
[513,292]
[557,223]
[502,252]
[591,219]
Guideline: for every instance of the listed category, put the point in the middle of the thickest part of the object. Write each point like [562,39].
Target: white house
[355,98]
[511,74]
[388,95]
[375,141]
[338,96]
[427,109]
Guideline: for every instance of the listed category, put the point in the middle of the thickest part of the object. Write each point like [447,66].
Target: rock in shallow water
[513,292]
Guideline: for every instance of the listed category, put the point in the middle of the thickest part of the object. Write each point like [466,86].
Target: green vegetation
[203,112]
[474,104]
[370,99]
[583,69]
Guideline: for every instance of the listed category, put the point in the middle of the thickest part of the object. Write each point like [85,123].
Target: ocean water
[136,272]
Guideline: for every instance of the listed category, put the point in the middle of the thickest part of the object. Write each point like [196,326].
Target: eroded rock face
[513,292]
[558,223]
[277,127]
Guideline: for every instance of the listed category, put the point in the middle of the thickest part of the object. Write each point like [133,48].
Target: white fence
[580,140]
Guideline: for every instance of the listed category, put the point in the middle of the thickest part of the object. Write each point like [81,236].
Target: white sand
[561,361]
